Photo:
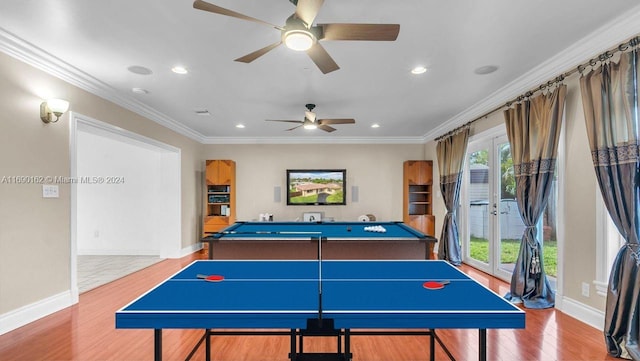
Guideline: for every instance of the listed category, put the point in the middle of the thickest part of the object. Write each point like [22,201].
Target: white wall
[117,218]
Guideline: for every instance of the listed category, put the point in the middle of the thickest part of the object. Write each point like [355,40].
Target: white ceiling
[93,43]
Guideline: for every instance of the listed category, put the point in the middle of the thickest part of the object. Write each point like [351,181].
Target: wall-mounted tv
[316,186]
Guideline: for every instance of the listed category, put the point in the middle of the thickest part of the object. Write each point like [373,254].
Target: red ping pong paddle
[211,278]
[434,285]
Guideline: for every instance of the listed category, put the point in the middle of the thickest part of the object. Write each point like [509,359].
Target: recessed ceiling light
[240,126]
[376,125]
[419,70]
[487,69]
[140,91]
[137,69]
[179,70]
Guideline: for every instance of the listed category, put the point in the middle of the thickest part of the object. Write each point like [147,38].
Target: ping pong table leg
[157,344]
[483,344]
[207,345]
[293,353]
[432,345]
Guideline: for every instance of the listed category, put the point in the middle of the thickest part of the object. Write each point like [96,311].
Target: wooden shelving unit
[417,197]
[220,195]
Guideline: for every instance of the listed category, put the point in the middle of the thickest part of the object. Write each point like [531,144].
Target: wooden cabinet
[417,192]
[220,195]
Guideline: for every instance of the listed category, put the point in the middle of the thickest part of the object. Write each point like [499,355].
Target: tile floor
[94,271]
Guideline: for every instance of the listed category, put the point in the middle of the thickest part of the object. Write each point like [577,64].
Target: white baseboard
[587,314]
[32,312]
[191,249]
[118,252]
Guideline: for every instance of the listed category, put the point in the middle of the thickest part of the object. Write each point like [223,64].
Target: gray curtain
[533,128]
[451,152]
[610,101]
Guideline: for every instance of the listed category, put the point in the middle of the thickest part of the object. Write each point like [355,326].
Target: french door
[490,223]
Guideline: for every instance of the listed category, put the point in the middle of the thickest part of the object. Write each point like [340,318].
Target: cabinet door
[425,223]
[419,172]
[219,171]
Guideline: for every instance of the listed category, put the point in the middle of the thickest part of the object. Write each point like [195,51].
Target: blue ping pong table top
[284,294]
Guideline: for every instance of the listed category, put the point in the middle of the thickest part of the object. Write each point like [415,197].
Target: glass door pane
[490,238]
[511,225]
[478,206]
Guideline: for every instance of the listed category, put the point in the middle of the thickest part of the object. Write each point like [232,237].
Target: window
[608,243]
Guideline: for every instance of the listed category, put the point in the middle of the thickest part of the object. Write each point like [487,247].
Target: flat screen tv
[316,187]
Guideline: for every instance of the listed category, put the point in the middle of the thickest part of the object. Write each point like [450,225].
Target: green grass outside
[510,248]
[334,198]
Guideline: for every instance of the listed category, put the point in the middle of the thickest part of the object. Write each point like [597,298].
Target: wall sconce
[56,107]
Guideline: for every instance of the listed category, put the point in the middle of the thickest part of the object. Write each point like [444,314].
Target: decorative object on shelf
[366,218]
[312,217]
[265,217]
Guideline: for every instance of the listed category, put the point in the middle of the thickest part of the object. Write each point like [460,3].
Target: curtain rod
[635,41]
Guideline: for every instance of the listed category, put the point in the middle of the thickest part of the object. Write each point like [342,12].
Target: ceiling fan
[300,34]
[310,121]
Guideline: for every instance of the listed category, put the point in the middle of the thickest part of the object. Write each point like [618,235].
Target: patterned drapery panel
[451,152]
[533,128]
[610,102]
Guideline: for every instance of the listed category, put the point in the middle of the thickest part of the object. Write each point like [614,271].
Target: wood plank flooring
[86,332]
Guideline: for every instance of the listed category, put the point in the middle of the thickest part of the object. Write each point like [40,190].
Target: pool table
[299,240]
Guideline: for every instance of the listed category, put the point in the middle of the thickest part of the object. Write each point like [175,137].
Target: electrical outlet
[585,289]
[50,191]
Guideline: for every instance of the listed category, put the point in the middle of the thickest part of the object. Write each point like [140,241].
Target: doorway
[491,224]
[125,200]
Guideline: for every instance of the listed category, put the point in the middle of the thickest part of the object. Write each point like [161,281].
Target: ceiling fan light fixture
[309,124]
[299,40]
[310,115]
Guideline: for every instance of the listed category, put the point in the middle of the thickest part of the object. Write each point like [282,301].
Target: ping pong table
[320,297]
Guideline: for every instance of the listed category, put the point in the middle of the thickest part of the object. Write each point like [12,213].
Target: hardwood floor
[86,332]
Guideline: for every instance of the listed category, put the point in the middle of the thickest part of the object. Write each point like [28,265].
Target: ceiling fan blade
[258,53]
[286,121]
[286,130]
[323,60]
[203,5]
[336,121]
[307,10]
[374,32]
[326,128]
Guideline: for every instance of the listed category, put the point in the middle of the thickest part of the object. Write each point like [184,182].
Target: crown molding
[40,59]
[604,38]
[314,140]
